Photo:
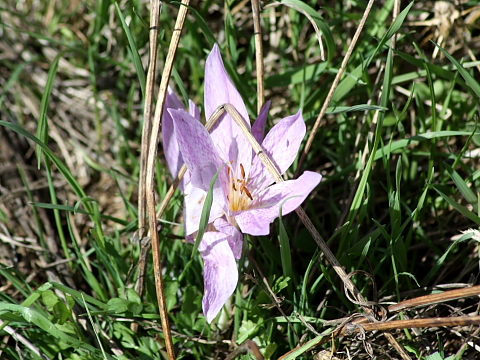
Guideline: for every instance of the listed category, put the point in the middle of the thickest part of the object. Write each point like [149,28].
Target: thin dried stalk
[336,81]
[155,6]
[257,28]
[150,191]
[412,323]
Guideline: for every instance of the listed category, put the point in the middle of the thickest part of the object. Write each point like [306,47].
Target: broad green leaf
[49,298]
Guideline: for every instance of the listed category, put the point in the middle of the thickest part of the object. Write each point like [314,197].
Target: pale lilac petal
[219,90]
[281,144]
[169,139]
[258,128]
[220,273]
[235,237]
[172,101]
[266,206]
[199,154]
[194,110]
[194,200]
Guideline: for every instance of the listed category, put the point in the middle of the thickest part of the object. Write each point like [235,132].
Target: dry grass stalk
[155,9]
[149,181]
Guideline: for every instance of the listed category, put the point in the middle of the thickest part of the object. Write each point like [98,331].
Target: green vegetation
[399,151]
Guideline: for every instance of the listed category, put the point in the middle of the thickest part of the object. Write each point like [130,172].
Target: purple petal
[258,128]
[199,153]
[170,144]
[219,90]
[194,110]
[194,200]
[220,273]
[281,144]
[266,206]
[235,237]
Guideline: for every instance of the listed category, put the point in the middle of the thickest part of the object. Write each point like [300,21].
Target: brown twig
[412,323]
[435,298]
[150,191]
[155,9]
[336,81]
[426,300]
[258,55]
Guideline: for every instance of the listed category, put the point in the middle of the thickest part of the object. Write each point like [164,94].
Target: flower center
[239,196]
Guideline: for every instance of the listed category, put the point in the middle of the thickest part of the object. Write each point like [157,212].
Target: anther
[247,192]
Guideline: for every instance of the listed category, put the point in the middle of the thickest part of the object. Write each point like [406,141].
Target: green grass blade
[461,209]
[42,130]
[465,74]
[34,317]
[318,22]
[207,206]
[285,251]
[81,211]
[60,165]
[400,144]
[137,62]
[462,186]
[202,24]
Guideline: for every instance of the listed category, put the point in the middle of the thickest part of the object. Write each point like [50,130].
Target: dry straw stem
[21,339]
[363,324]
[155,9]
[351,328]
[149,180]
[336,81]
[257,28]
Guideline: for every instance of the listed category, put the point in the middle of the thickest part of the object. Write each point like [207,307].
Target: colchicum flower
[245,198]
